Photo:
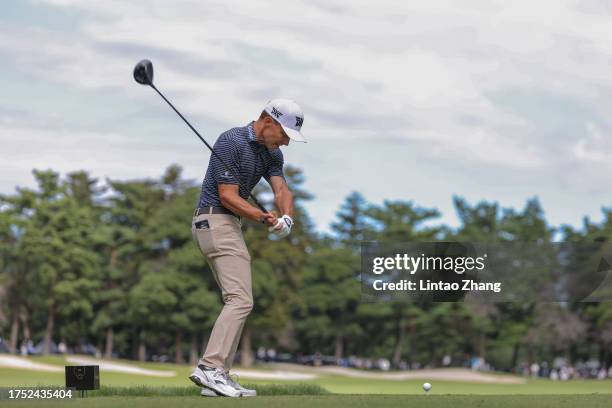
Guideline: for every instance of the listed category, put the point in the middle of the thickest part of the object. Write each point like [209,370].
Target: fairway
[336,384]
[326,390]
[331,401]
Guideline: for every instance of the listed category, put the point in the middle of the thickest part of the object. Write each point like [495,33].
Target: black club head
[143,72]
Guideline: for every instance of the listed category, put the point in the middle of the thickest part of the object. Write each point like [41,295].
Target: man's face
[273,134]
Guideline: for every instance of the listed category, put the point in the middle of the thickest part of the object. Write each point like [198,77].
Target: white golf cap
[289,115]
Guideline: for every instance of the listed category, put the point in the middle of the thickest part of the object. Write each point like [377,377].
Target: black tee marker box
[83,378]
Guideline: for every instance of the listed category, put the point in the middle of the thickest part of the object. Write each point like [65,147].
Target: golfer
[251,151]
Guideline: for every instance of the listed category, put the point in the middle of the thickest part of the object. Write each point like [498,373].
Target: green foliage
[116,265]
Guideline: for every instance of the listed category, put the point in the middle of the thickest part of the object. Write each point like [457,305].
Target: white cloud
[415,65]
[594,147]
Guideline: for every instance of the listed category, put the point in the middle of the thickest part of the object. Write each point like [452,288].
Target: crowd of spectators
[562,370]
[559,370]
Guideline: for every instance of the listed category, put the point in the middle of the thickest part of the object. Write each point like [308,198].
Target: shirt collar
[252,136]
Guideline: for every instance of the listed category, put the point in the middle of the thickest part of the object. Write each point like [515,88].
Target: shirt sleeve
[276,165]
[227,149]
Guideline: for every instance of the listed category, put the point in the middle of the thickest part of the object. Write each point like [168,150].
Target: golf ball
[427,387]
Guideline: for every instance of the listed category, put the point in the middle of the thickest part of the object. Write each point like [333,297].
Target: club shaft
[261,207]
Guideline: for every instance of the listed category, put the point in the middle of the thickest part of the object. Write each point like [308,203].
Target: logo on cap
[276,113]
[298,121]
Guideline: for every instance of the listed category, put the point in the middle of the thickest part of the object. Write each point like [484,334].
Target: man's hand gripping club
[282,228]
[228,193]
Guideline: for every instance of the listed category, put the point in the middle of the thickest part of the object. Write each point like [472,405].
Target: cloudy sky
[418,101]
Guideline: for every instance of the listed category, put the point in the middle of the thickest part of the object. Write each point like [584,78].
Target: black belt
[213,210]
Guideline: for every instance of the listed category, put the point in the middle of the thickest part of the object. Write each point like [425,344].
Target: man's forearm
[241,207]
[284,202]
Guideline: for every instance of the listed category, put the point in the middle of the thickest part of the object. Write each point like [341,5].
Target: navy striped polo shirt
[250,160]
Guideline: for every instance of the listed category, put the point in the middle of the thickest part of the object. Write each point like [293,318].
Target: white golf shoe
[214,379]
[245,392]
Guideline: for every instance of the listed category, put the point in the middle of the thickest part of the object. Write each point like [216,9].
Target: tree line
[114,264]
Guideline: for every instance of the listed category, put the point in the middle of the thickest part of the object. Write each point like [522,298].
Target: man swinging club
[251,151]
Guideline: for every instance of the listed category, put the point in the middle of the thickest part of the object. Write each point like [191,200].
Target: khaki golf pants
[223,245]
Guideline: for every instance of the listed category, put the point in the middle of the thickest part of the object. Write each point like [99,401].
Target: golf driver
[143,74]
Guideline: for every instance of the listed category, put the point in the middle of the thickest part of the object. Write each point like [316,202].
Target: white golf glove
[282,227]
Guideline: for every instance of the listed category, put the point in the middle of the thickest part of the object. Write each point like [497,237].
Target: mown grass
[185,391]
[338,401]
[333,383]
[262,390]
